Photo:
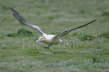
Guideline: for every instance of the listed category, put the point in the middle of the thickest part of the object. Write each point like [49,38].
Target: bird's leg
[48,46]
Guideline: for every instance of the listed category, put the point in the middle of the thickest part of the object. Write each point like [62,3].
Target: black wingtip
[90,22]
[12,9]
[95,19]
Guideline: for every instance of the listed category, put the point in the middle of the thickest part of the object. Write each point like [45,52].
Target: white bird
[48,39]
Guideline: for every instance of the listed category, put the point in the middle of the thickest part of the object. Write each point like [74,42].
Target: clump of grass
[104,35]
[84,37]
[20,33]
[95,59]
[24,32]
[82,11]
[105,13]
[11,35]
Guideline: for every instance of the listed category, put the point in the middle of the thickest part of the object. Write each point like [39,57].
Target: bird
[48,39]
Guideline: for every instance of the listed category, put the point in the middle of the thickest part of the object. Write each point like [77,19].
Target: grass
[85,50]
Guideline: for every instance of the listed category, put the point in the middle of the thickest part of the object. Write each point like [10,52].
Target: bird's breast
[48,39]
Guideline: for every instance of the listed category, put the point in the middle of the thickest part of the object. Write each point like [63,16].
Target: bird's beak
[37,41]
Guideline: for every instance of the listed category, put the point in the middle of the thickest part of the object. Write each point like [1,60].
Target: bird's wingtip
[94,19]
[12,9]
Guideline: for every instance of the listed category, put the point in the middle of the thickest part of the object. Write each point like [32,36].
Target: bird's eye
[42,38]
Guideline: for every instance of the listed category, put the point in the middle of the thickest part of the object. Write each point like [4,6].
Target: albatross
[48,39]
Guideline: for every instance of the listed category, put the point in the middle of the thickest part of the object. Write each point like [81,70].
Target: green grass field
[85,50]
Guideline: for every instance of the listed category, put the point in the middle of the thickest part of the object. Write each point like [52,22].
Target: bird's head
[41,39]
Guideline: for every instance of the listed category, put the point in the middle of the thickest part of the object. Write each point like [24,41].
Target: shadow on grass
[20,33]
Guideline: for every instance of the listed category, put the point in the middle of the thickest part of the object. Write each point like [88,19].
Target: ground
[84,50]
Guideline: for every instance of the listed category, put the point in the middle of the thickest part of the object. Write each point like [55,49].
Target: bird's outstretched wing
[69,30]
[23,21]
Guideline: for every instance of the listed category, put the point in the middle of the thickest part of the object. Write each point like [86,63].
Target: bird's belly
[46,42]
[51,42]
